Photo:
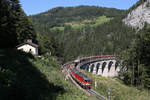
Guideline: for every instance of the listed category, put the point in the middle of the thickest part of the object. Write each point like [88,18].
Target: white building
[29,47]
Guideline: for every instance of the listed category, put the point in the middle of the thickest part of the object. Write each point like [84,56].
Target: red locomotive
[81,79]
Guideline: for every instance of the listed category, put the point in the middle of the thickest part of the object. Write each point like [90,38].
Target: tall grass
[50,68]
[119,91]
[24,77]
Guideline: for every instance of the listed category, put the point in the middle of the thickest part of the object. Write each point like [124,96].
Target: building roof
[30,43]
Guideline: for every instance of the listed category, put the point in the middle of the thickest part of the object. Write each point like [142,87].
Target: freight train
[81,79]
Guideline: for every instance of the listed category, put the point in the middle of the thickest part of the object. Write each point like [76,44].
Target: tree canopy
[85,30]
[15,26]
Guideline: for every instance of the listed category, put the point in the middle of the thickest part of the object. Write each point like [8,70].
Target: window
[31,51]
[87,80]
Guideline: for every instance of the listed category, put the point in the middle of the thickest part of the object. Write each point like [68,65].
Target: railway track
[98,96]
[90,92]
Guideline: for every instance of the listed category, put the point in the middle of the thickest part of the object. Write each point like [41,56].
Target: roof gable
[32,44]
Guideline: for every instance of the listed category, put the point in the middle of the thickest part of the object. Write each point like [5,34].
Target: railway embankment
[118,90]
[114,89]
[66,70]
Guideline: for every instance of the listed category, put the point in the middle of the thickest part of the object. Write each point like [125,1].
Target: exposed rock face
[139,16]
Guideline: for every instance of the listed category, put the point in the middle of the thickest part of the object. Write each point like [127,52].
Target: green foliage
[103,39]
[136,61]
[119,91]
[60,15]
[91,22]
[7,78]
[15,26]
[57,28]
[24,77]
[85,30]
[100,20]
[54,75]
[48,44]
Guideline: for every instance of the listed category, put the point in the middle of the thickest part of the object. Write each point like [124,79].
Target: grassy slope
[36,78]
[119,91]
[78,25]
[61,28]
[53,73]
[23,77]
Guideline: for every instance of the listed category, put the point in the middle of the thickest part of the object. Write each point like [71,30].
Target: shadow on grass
[21,80]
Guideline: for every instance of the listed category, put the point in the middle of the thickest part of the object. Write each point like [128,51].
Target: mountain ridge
[98,36]
[58,16]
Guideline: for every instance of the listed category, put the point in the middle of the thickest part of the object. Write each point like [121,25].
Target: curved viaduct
[106,66]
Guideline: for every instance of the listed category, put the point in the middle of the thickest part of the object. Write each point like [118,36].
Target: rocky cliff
[139,16]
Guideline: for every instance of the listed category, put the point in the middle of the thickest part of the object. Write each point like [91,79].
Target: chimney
[29,41]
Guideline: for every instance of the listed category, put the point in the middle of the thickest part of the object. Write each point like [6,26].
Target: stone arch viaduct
[106,66]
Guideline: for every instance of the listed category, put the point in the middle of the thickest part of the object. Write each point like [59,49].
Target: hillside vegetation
[85,30]
[60,15]
[24,77]
[81,24]
[136,60]
[15,26]
[118,90]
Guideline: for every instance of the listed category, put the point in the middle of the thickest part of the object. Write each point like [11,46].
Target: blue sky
[37,6]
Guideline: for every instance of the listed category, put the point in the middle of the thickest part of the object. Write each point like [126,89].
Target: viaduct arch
[103,66]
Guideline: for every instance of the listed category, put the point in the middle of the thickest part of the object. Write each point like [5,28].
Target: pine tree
[137,62]
[15,26]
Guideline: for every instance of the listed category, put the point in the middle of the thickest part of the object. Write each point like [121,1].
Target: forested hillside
[23,76]
[85,30]
[60,15]
[136,65]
